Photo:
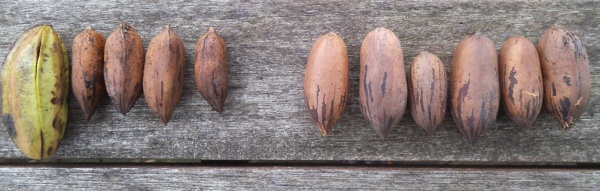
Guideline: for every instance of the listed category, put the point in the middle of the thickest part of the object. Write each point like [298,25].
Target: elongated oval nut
[88,70]
[427,91]
[521,80]
[475,87]
[326,81]
[35,85]
[124,64]
[211,69]
[164,73]
[382,84]
[566,72]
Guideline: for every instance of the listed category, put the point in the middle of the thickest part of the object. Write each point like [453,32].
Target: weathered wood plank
[268,43]
[293,178]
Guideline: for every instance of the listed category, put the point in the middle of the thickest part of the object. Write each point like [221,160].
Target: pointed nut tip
[125,26]
[323,131]
[429,132]
[524,125]
[383,136]
[381,29]
[556,26]
[164,118]
[87,117]
[218,109]
[381,132]
[473,141]
[124,113]
[331,34]
[476,33]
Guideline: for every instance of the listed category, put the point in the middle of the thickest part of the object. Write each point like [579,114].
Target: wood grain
[294,178]
[265,116]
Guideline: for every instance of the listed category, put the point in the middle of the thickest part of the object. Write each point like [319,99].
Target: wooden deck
[265,139]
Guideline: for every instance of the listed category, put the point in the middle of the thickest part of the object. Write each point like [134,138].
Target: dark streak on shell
[56,101]
[57,124]
[9,123]
[42,144]
[50,150]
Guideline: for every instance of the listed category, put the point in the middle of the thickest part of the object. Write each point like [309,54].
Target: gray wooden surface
[294,178]
[265,116]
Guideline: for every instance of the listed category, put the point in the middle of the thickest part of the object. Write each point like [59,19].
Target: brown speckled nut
[566,75]
[382,83]
[326,81]
[124,65]
[520,80]
[475,90]
[211,69]
[164,73]
[427,91]
[87,75]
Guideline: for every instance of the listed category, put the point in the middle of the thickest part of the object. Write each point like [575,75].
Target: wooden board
[294,178]
[265,116]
